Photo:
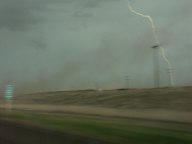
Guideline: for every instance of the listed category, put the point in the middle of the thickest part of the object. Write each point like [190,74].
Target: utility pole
[170,72]
[127,82]
[156,66]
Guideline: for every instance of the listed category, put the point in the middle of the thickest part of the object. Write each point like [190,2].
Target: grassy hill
[179,98]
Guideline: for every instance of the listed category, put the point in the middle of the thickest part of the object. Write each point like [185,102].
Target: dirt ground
[150,114]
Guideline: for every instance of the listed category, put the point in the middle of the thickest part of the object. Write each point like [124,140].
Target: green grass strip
[117,131]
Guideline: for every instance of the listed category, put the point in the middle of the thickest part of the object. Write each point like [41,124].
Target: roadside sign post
[8,96]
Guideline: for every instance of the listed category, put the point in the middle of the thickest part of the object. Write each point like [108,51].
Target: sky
[48,45]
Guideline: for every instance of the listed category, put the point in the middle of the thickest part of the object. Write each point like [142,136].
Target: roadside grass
[111,130]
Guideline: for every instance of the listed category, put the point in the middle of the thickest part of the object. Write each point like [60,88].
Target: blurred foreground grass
[117,131]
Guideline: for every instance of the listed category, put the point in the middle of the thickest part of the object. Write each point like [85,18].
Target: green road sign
[9,92]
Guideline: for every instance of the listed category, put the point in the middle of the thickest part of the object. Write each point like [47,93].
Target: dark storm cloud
[91,3]
[38,43]
[82,14]
[18,14]
[83,4]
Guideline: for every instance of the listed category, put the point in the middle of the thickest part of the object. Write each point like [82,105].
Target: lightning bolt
[156,40]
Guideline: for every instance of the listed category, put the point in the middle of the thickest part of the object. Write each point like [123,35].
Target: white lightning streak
[156,40]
